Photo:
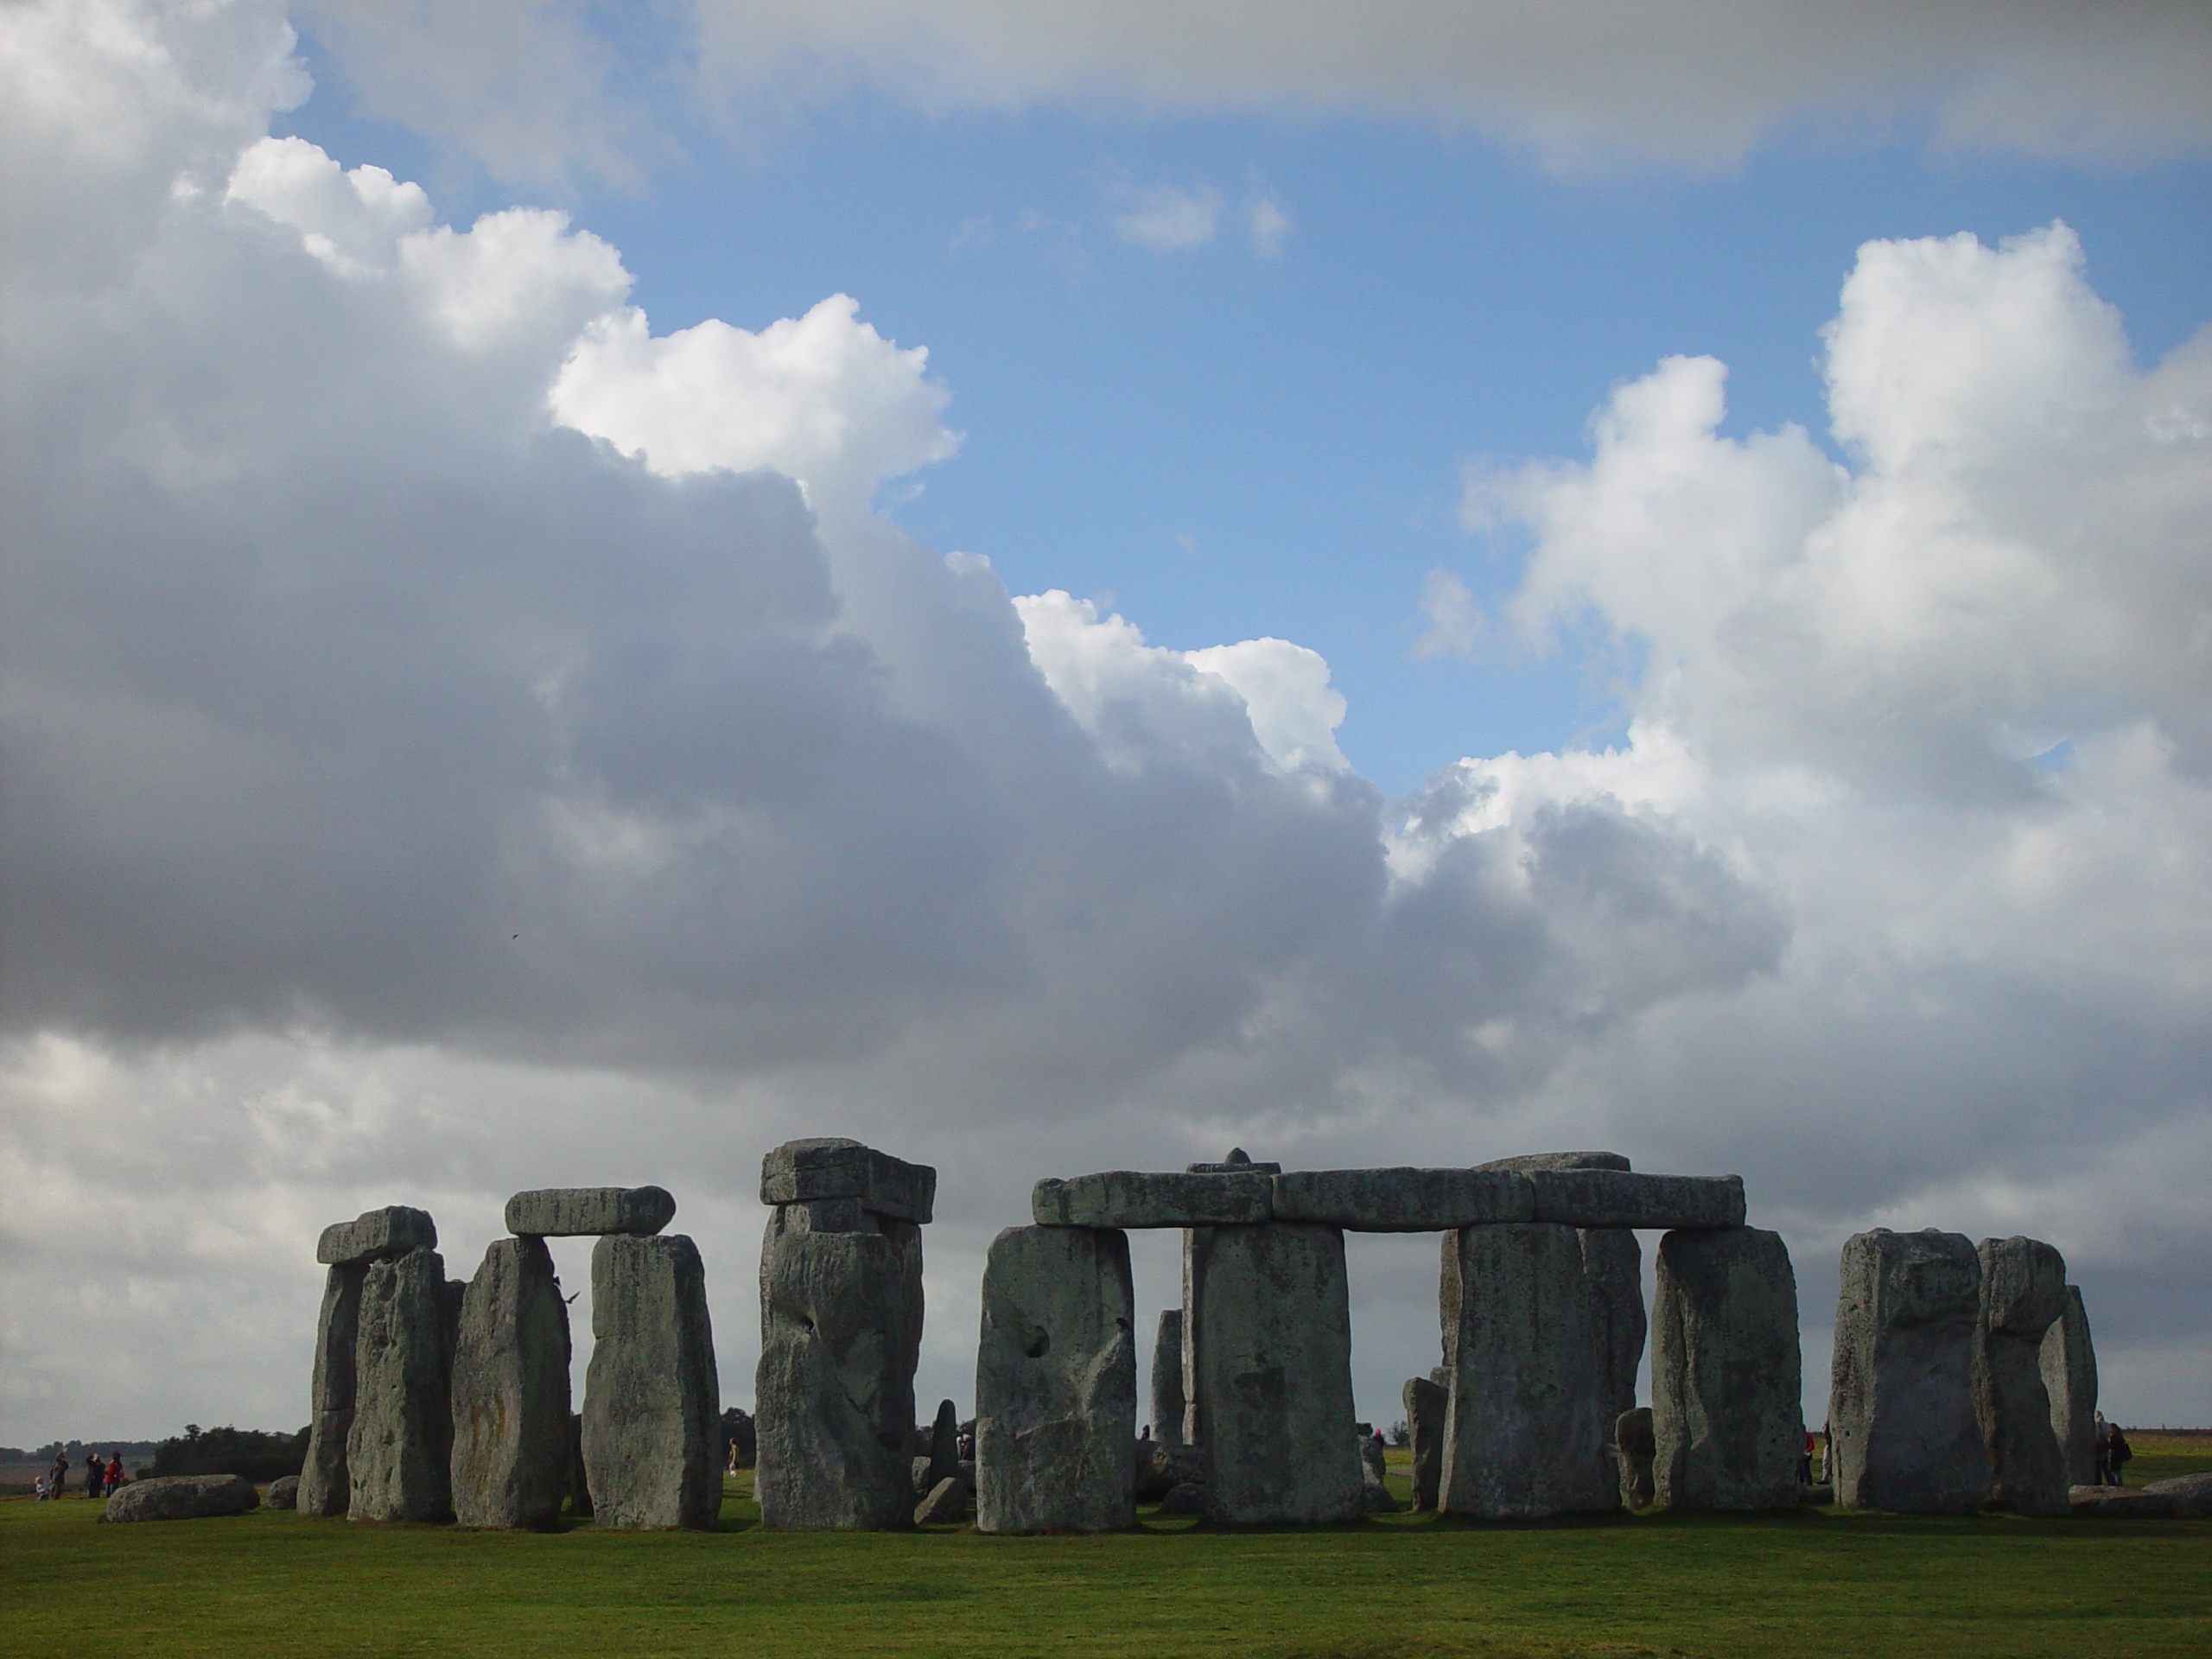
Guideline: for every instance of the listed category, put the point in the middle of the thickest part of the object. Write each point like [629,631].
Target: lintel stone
[1617,1198]
[833,1167]
[1403,1200]
[584,1211]
[1124,1197]
[393,1231]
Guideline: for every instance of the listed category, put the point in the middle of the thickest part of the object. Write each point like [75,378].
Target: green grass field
[274,1584]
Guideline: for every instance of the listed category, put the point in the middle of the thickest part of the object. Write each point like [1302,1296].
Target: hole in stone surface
[1039,1342]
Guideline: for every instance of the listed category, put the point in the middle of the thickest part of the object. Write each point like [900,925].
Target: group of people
[100,1478]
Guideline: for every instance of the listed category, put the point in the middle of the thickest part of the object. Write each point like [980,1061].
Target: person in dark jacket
[2122,1452]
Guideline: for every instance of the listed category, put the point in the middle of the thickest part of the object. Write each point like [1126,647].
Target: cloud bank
[457,739]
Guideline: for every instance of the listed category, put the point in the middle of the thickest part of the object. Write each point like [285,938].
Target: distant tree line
[255,1454]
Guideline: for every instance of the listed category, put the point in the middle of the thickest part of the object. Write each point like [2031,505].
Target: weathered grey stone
[1425,1405]
[1189,1499]
[579,1479]
[1402,1200]
[905,1238]
[583,1211]
[2196,1487]
[1127,1198]
[2023,1295]
[509,1464]
[1238,1162]
[393,1231]
[833,1167]
[1268,1341]
[324,1488]
[1727,1412]
[1901,1395]
[835,1383]
[1167,1378]
[1163,1468]
[2132,1504]
[1634,1449]
[652,1402]
[1613,1263]
[2069,1377]
[1618,1197]
[283,1493]
[183,1497]
[924,1480]
[1055,1383]
[946,1504]
[397,1449]
[1531,1160]
[1526,1342]
[944,1443]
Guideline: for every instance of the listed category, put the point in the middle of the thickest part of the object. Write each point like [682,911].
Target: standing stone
[1727,1419]
[1613,1263]
[1267,1340]
[1526,1342]
[511,1391]
[944,1444]
[2069,1377]
[1901,1398]
[398,1448]
[1055,1383]
[579,1482]
[1634,1450]
[324,1488]
[652,1403]
[835,1388]
[1167,1378]
[1427,1403]
[2023,1295]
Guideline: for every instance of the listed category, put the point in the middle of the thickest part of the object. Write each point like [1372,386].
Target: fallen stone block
[1634,1449]
[1726,1382]
[393,1231]
[1124,1198]
[2023,1295]
[183,1497]
[1901,1406]
[833,1167]
[1426,1401]
[283,1493]
[1055,1383]
[400,1444]
[2069,1360]
[1402,1200]
[1268,1343]
[1618,1197]
[1163,1468]
[835,1389]
[1189,1499]
[947,1504]
[2132,1504]
[653,1404]
[1525,1342]
[584,1211]
[510,1464]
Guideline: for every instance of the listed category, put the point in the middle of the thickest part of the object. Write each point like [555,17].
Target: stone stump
[1901,1404]
[835,1393]
[2069,1377]
[1167,1378]
[1527,1343]
[1268,1361]
[1055,1383]
[1727,1419]
[398,1448]
[510,1466]
[653,1404]
[2023,1295]
[1634,1448]
[324,1488]
[1427,1403]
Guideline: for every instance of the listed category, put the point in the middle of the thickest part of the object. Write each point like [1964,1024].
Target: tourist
[1805,1458]
[39,1487]
[95,1476]
[1828,1451]
[2122,1452]
[115,1472]
[2103,1474]
[57,1480]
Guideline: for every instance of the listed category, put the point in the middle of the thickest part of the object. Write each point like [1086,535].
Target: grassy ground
[274,1584]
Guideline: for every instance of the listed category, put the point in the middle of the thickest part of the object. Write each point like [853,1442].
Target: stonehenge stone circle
[841,1321]
[1267,1341]
[510,1462]
[393,1231]
[1167,1378]
[653,1404]
[183,1497]
[2069,1377]
[1901,1403]
[324,1488]
[1426,1404]
[1526,1342]
[1055,1376]
[398,1446]
[2023,1295]
[1634,1448]
[1726,1408]
[584,1211]
[1402,1200]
